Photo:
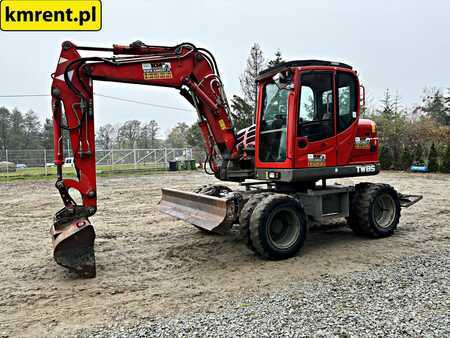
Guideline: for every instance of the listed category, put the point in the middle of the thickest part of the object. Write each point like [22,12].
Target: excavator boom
[191,70]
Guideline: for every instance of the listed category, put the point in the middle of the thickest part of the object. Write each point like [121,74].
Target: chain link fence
[16,163]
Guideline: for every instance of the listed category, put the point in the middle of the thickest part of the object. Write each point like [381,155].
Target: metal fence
[40,162]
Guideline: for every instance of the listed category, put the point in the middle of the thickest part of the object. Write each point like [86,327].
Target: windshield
[273,124]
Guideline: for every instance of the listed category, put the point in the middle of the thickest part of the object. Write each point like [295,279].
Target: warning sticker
[317,160]
[362,143]
[222,124]
[159,70]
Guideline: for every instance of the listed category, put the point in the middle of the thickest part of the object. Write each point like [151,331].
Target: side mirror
[362,95]
[283,79]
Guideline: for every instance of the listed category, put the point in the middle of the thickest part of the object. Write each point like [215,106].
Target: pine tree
[433,164]
[435,106]
[242,112]
[418,154]
[391,120]
[5,125]
[406,159]
[17,131]
[32,127]
[243,108]
[47,134]
[447,106]
[445,167]
[277,60]
[195,141]
[386,158]
[388,105]
[255,64]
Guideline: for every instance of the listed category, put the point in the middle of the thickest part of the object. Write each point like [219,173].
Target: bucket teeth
[73,247]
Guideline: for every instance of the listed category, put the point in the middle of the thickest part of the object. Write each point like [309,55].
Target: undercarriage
[273,218]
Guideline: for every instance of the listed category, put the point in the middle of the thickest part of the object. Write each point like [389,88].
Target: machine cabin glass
[316,106]
[273,124]
[347,100]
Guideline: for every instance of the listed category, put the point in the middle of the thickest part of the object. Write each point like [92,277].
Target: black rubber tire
[260,223]
[244,217]
[362,210]
[352,220]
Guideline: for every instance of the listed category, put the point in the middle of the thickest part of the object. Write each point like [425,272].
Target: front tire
[278,227]
[246,214]
[375,210]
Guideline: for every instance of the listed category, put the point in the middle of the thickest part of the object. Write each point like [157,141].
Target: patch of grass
[102,170]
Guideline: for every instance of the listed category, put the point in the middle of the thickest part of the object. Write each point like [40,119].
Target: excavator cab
[308,124]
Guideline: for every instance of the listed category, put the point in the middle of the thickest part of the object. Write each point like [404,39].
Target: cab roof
[299,63]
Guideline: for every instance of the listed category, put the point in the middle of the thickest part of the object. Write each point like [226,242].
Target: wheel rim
[384,210]
[283,228]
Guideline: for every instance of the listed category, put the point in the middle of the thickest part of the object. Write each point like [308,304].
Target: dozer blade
[207,212]
[73,246]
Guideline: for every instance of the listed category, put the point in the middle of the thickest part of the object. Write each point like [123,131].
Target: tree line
[419,134]
[136,134]
[24,130]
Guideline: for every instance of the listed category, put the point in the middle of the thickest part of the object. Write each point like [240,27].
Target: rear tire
[278,227]
[374,210]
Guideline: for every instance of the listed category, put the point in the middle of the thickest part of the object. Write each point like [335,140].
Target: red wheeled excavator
[308,129]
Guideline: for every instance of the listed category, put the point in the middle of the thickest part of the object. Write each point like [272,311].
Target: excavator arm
[191,70]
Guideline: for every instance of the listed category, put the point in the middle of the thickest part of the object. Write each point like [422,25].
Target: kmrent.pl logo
[50,15]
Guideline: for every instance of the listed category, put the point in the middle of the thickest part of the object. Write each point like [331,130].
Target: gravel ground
[407,298]
[152,268]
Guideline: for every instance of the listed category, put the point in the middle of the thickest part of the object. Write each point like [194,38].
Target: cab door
[347,113]
[316,140]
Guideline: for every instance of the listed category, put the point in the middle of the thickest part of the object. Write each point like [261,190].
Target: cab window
[316,110]
[346,98]
[273,130]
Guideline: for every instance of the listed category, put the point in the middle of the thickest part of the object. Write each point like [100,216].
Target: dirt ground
[149,264]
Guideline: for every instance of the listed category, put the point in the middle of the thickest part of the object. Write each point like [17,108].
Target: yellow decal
[50,15]
[317,160]
[157,70]
[362,143]
[222,124]
[374,128]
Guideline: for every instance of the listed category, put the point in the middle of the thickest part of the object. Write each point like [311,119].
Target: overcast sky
[403,45]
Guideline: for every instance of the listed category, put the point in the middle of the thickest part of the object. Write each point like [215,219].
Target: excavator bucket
[73,246]
[206,212]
